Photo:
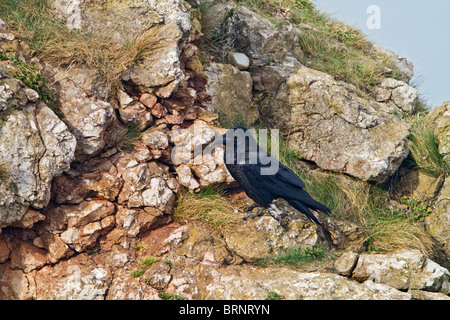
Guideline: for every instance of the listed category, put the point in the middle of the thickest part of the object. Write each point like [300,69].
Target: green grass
[147,262]
[424,148]
[31,76]
[143,265]
[272,295]
[170,296]
[294,257]
[137,273]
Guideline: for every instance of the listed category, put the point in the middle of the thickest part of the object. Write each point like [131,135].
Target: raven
[246,162]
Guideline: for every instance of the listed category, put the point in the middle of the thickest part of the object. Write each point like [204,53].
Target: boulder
[166,25]
[330,123]
[82,98]
[35,146]
[245,282]
[191,152]
[73,279]
[146,185]
[405,66]
[239,60]
[403,270]
[231,92]
[257,37]
[438,222]
[439,118]
[419,186]
[86,222]
[397,92]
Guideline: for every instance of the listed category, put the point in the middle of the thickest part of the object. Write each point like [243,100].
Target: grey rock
[239,60]
[402,63]
[35,146]
[330,123]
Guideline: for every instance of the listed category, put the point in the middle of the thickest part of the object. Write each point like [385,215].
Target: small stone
[174,119]
[346,263]
[3,24]
[239,60]
[149,100]
[159,111]
[124,99]
[139,113]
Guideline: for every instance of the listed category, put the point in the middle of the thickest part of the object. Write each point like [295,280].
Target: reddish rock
[148,99]
[159,111]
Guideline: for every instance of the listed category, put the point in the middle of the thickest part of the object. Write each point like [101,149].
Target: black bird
[246,162]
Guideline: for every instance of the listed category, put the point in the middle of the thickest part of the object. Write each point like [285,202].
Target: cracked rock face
[334,126]
[90,118]
[35,146]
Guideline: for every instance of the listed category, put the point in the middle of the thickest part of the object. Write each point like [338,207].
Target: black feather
[263,189]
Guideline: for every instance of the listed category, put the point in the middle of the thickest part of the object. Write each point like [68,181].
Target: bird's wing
[287,175]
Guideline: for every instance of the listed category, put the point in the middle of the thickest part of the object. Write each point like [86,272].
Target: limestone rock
[438,222]
[138,114]
[135,221]
[344,234]
[101,179]
[169,24]
[402,270]
[419,186]
[231,91]
[346,263]
[23,287]
[146,185]
[399,92]
[28,257]
[402,63]
[256,36]
[35,146]
[160,69]
[86,222]
[337,128]
[124,287]
[239,283]
[73,279]
[440,119]
[207,164]
[90,118]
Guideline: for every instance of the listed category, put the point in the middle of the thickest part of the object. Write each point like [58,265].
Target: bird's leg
[258,213]
[251,207]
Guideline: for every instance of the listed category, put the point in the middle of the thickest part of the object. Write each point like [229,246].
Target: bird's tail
[304,202]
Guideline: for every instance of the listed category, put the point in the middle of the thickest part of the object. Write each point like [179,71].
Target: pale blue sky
[416,29]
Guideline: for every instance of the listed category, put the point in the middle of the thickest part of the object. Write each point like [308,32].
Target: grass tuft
[207,207]
[294,257]
[424,148]
[54,43]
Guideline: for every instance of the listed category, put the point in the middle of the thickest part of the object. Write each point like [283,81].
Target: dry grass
[100,52]
[389,229]
[53,42]
[208,208]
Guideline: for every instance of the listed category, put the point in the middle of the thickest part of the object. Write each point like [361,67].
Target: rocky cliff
[105,195]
